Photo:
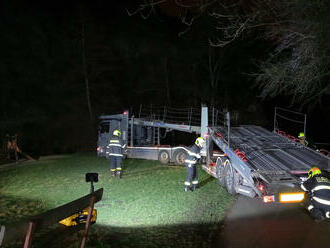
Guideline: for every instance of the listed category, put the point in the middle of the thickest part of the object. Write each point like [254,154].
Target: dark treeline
[64,64]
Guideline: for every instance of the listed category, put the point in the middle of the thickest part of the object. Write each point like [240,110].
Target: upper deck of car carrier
[273,156]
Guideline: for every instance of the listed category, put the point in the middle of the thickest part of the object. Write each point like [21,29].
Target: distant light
[125,112]
[292,197]
[268,198]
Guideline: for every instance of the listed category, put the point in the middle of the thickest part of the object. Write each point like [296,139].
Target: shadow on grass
[14,215]
[206,181]
[185,236]
[14,209]
[146,172]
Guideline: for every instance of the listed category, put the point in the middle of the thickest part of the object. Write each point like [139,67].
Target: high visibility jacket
[115,147]
[319,186]
[193,154]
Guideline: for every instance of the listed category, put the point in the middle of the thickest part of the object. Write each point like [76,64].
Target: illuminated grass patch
[148,201]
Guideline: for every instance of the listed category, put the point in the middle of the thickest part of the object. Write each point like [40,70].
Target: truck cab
[107,124]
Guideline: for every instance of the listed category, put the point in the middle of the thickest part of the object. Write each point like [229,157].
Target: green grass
[146,208]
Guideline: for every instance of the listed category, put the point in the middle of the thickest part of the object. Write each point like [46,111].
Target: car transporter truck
[246,159]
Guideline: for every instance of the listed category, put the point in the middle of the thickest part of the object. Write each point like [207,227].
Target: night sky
[49,49]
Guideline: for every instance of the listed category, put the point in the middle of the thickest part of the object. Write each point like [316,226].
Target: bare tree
[84,64]
[231,18]
[167,83]
[214,66]
[297,66]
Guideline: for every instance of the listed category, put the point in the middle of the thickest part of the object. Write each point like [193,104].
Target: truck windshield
[104,127]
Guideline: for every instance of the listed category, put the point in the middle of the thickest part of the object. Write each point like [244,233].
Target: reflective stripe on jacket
[115,147]
[193,154]
[319,186]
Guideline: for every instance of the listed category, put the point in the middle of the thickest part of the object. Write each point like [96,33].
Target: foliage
[296,32]
[298,66]
[146,208]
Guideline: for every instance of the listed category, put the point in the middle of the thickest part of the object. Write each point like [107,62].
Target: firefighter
[302,139]
[114,152]
[318,188]
[192,156]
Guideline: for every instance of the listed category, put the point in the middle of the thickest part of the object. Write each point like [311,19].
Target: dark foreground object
[250,223]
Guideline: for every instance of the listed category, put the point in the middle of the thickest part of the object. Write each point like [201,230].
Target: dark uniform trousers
[115,163]
[192,175]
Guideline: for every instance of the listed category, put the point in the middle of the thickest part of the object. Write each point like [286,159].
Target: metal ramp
[269,154]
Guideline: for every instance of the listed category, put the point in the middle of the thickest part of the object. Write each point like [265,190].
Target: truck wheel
[220,171]
[230,178]
[180,157]
[164,157]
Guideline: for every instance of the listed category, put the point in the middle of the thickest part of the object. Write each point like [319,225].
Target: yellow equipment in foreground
[79,218]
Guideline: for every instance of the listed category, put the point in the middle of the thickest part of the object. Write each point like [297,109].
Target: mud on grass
[146,208]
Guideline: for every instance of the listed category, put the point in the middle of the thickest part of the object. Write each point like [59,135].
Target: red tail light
[268,198]
[261,187]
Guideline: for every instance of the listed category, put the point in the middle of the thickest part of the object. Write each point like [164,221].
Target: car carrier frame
[142,134]
[245,159]
[259,163]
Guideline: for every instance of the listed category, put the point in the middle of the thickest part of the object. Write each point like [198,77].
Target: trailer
[246,159]
[142,132]
[259,163]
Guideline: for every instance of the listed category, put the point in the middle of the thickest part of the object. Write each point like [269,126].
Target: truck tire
[220,171]
[230,178]
[179,157]
[164,157]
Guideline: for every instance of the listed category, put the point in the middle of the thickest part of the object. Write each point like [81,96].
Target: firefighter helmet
[200,141]
[301,135]
[116,133]
[313,171]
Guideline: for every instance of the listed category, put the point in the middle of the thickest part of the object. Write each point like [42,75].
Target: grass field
[146,208]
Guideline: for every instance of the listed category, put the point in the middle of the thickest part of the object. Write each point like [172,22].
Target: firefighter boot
[187,188]
[118,174]
[112,173]
[317,215]
[195,186]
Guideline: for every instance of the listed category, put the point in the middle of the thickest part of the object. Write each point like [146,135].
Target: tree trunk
[214,73]
[168,92]
[83,53]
